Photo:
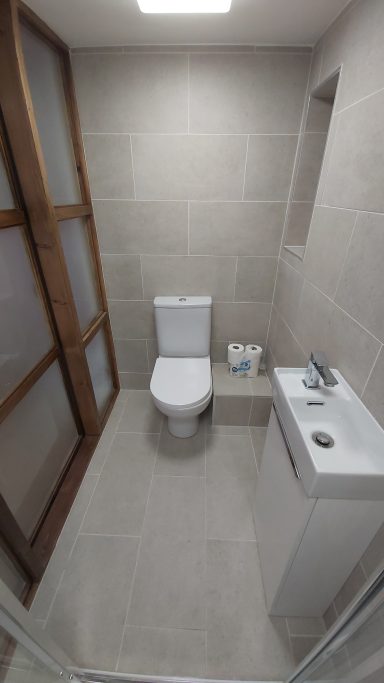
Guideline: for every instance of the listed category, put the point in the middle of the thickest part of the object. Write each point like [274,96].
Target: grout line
[253,450]
[141,275]
[345,257]
[235,283]
[195,201]
[90,533]
[215,135]
[146,345]
[362,99]
[133,169]
[214,256]
[137,557]
[188,90]
[245,168]
[188,230]
[371,372]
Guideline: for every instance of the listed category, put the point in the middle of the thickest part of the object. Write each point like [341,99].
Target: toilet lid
[181,381]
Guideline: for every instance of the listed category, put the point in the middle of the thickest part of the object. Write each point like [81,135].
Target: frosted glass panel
[74,238]
[46,86]
[25,335]
[36,440]
[6,198]
[100,369]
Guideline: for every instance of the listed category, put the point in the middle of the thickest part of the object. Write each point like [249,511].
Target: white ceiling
[86,23]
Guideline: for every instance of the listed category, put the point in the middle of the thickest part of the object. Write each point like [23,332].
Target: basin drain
[323,439]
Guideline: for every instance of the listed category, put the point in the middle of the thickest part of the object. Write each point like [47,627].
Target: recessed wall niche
[312,144]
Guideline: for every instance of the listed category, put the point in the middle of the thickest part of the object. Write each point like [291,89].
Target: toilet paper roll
[237,365]
[253,354]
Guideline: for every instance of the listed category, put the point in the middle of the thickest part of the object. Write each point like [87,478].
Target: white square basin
[353,466]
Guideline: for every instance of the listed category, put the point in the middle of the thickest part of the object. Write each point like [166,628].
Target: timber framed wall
[51,232]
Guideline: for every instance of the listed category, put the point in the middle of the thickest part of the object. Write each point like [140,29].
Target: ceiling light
[184,6]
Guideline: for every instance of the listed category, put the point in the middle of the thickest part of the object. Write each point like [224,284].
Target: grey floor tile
[119,501]
[230,456]
[169,589]
[50,581]
[163,652]
[181,457]
[243,641]
[140,414]
[89,610]
[258,436]
[176,508]
[228,429]
[229,509]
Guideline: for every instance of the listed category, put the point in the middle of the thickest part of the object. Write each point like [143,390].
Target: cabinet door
[282,511]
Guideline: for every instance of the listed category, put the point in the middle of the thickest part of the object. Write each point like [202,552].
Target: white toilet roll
[237,367]
[253,355]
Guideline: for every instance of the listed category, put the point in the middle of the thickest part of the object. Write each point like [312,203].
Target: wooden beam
[11,217]
[94,327]
[10,402]
[39,26]
[65,213]
[17,107]
[29,558]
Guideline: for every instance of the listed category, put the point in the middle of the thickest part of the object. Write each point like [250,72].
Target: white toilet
[181,383]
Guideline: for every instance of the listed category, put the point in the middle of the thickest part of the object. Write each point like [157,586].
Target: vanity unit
[320,493]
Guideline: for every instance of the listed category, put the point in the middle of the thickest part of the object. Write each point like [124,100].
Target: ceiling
[86,23]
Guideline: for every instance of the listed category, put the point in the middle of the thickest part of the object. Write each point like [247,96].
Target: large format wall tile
[189,275]
[289,284]
[109,161]
[236,228]
[309,166]
[122,275]
[362,297]
[132,319]
[322,325]
[126,227]
[131,355]
[269,167]
[355,178]
[243,93]
[189,166]
[285,348]
[255,279]
[373,396]
[330,228]
[251,318]
[132,93]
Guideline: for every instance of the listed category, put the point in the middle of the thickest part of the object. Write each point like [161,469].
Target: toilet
[181,383]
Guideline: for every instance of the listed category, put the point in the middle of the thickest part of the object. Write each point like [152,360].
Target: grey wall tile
[231,410]
[269,167]
[260,411]
[189,167]
[255,279]
[132,319]
[354,176]
[122,276]
[298,222]
[318,115]
[285,348]
[309,165]
[94,597]
[289,284]
[126,227]
[134,380]
[362,296]
[330,616]
[242,228]
[131,355]
[249,320]
[132,93]
[373,395]
[352,585]
[109,162]
[153,353]
[243,93]
[374,555]
[348,346]
[332,227]
[346,43]
[189,275]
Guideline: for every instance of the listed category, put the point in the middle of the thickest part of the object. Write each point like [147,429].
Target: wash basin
[336,444]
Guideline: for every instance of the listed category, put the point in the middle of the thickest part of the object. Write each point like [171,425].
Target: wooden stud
[11,217]
[65,213]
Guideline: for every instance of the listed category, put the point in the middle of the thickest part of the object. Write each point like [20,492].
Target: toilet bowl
[181,383]
[181,390]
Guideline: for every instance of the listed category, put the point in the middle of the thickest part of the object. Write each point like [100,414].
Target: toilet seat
[181,382]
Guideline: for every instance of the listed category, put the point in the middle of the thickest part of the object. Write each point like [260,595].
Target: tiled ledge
[240,401]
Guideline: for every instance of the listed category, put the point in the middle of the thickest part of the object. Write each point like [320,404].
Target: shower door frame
[40,218]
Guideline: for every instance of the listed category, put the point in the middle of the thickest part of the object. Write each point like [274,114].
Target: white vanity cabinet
[308,546]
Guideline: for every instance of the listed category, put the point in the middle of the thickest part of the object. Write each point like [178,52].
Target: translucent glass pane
[74,238]
[36,440]
[100,369]
[25,335]
[46,86]
[11,576]
[6,198]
